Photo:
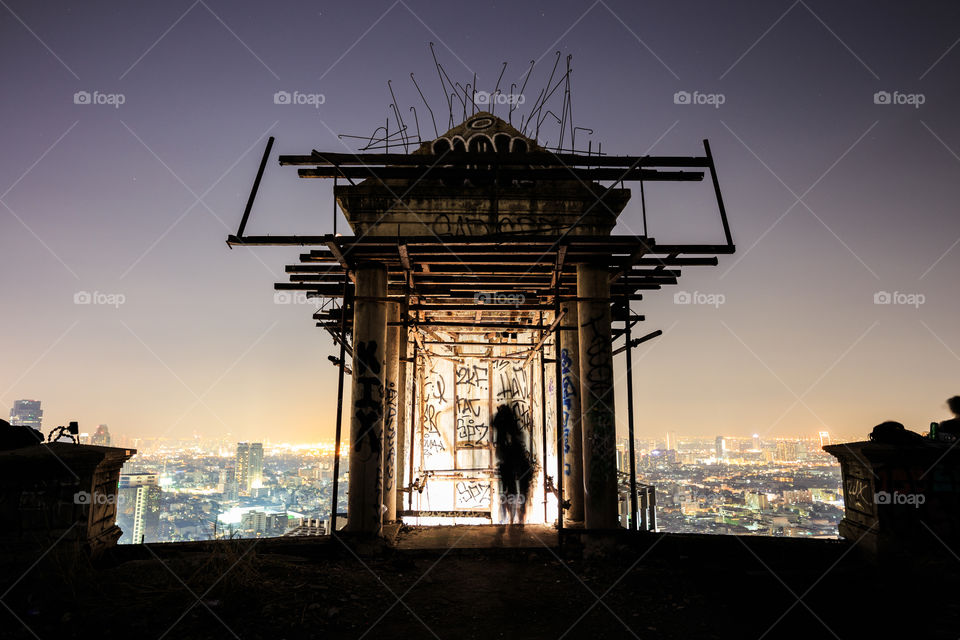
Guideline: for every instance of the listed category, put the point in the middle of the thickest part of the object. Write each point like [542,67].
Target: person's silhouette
[952,426]
[513,464]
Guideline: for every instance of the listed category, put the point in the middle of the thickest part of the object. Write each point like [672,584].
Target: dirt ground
[650,586]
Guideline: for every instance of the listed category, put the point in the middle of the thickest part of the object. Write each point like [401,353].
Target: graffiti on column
[569,390]
[598,371]
[390,436]
[368,405]
[473,429]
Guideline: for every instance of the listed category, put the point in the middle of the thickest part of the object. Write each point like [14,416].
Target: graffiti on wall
[472,392]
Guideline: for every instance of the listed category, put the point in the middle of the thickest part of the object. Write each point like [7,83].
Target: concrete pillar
[596,398]
[402,399]
[391,413]
[570,413]
[366,416]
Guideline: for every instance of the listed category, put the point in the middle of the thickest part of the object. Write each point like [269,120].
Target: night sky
[837,147]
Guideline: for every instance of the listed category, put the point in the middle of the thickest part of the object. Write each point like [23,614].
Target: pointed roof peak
[487,128]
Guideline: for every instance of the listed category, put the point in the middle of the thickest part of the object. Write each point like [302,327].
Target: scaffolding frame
[446,283]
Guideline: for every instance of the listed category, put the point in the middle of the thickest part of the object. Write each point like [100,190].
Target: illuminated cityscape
[201,488]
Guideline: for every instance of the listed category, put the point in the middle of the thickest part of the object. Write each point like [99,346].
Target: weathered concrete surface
[391,408]
[59,492]
[900,497]
[428,207]
[571,413]
[403,399]
[597,398]
[364,501]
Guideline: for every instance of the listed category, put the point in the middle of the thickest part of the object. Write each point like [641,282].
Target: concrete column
[391,413]
[596,399]
[402,399]
[366,417]
[570,413]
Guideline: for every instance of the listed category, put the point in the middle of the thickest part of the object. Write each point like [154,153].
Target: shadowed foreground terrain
[650,586]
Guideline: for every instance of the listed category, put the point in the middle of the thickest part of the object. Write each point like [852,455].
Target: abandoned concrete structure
[483,272]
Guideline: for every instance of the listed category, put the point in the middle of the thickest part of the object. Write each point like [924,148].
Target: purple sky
[134,201]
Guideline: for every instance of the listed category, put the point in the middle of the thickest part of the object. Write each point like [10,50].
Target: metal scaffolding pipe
[336,454]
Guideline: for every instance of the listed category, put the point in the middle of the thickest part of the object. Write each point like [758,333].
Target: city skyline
[838,168]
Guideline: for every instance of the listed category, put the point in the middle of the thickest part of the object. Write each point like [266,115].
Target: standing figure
[513,464]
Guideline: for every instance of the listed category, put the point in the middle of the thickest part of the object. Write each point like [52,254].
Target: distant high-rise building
[824,438]
[140,507]
[671,440]
[243,464]
[249,465]
[720,447]
[28,413]
[256,465]
[756,442]
[787,451]
[101,436]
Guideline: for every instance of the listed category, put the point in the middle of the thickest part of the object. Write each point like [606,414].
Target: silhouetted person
[514,466]
[17,436]
[952,426]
